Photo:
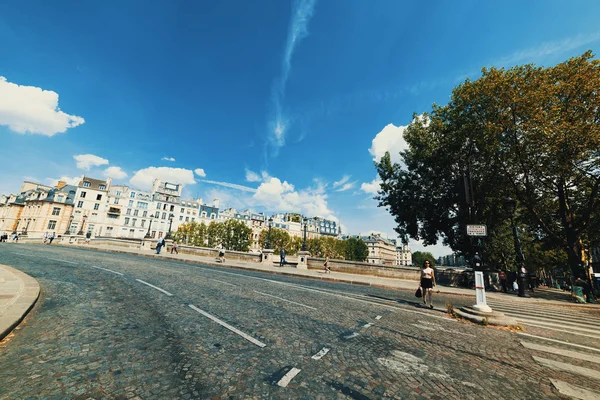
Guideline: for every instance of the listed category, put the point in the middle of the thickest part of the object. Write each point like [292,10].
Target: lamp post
[26,226]
[82,225]
[170,224]
[510,205]
[305,220]
[68,231]
[270,225]
[149,226]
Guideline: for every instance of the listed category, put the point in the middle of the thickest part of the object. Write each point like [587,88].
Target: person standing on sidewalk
[159,244]
[51,237]
[281,257]
[174,248]
[502,278]
[326,264]
[427,282]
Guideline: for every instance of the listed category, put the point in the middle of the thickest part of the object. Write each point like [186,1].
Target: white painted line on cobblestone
[351,335]
[155,287]
[561,366]
[558,341]
[289,301]
[368,325]
[283,382]
[560,324]
[378,317]
[320,354]
[560,330]
[226,283]
[560,352]
[574,391]
[226,325]
[109,270]
[65,261]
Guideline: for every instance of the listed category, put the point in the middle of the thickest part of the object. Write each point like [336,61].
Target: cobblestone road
[117,326]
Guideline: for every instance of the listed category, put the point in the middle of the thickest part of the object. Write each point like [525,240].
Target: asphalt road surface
[110,326]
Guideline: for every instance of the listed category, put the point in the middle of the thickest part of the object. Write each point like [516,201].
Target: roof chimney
[61,184]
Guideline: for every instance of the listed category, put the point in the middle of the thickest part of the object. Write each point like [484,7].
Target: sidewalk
[541,296]
[18,294]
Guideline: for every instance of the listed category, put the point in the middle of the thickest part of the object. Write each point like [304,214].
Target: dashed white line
[65,261]
[288,377]
[351,335]
[574,392]
[155,287]
[226,283]
[378,317]
[226,325]
[289,301]
[108,270]
[368,325]
[558,341]
[560,352]
[320,354]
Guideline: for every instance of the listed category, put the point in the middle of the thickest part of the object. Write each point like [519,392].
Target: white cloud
[346,186]
[252,176]
[391,138]
[70,180]
[168,159]
[371,187]
[86,161]
[342,181]
[231,185]
[115,173]
[200,172]
[31,109]
[144,178]
[280,196]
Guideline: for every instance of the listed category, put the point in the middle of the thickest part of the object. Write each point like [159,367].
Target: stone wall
[363,268]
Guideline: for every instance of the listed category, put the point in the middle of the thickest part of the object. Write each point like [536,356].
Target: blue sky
[277,105]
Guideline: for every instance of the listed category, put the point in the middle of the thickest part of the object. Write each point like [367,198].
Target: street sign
[476,230]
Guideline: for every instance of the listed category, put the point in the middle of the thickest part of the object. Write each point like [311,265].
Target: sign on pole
[476,230]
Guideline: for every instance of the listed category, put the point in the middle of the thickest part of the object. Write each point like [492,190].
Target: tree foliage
[231,234]
[419,258]
[356,249]
[191,233]
[528,132]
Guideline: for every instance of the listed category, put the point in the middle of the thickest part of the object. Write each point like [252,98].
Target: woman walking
[427,282]
[174,248]
[326,265]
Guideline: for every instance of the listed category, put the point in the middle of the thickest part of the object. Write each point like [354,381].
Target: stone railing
[363,268]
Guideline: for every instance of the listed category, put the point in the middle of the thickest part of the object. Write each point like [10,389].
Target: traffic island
[486,318]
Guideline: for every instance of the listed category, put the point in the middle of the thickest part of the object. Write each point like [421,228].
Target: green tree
[528,132]
[214,234]
[279,238]
[356,249]
[235,235]
[419,258]
[191,233]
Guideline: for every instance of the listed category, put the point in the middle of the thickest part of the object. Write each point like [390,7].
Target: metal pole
[304,241]
[149,226]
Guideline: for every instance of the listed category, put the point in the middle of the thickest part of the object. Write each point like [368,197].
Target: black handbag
[418,293]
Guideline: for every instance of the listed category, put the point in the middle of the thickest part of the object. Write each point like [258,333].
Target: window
[145,214]
[80,204]
[133,221]
[193,219]
[132,194]
[142,205]
[126,221]
[86,184]
[143,223]
[128,212]
[164,216]
[135,213]
[187,219]
[158,206]
[99,197]
[118,193]
[56,211]
[181,217]
[157,215]
[172,208]
[82,194]
[60,199]
[51,224]
[116,200]
[102,187]
[182,210]
[96,206]
[130,203]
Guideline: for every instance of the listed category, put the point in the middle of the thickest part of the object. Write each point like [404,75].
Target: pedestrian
[159,244]
[45,237]
[221,255]
[326,264]
[502,278]
[282,257]
[87,237]
[51,238]
[174,248]
[427,282]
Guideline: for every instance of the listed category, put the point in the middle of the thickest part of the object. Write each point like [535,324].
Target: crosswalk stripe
[552,324]
[580,346]
[568,321]
[562,330]
[560,366]
[574,391]
[561,352]
[544,311]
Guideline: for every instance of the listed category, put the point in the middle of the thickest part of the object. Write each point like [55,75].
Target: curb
[23,302]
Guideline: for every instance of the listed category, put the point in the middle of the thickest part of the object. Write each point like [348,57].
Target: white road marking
[574,391]
[109,270]
[283,382]
[56,259]
[378,317]
[556,325]
[561,366]
[320,354]
[289,301]
[155,287]
[558,341]
[351,335]
[368,325]
[561,330]
[226,283]
[226,325]
[561,352]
